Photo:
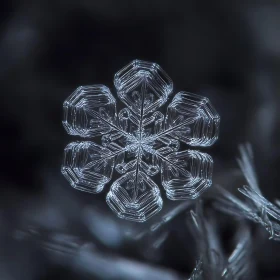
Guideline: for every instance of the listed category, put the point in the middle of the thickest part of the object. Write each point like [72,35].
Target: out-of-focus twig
[213,263]
[256,208]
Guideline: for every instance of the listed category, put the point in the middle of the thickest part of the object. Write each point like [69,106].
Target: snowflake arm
[129,80]
[186,174]
[191,118]
[90,111]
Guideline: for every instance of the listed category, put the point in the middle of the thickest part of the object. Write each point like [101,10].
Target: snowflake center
[140,142]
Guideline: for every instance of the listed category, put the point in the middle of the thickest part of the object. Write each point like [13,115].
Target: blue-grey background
[228,51]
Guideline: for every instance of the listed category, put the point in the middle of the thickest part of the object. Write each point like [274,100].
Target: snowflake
[139,142]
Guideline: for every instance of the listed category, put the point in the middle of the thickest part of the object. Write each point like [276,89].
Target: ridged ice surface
[139,142]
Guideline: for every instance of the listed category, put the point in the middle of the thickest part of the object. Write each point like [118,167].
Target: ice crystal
[139,142]
[256,208]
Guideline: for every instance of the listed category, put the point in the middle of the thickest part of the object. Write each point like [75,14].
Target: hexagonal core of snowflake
[139,142]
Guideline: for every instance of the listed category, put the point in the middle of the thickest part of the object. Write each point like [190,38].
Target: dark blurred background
[228,51]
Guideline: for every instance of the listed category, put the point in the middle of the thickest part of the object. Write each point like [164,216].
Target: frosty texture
[256,208]
[139,142]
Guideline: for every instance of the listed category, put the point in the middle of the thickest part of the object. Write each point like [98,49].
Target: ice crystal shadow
[139,142]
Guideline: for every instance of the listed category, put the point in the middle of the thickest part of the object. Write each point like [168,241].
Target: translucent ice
[139,142]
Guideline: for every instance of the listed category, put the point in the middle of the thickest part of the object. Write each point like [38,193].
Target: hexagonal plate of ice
[139,142]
